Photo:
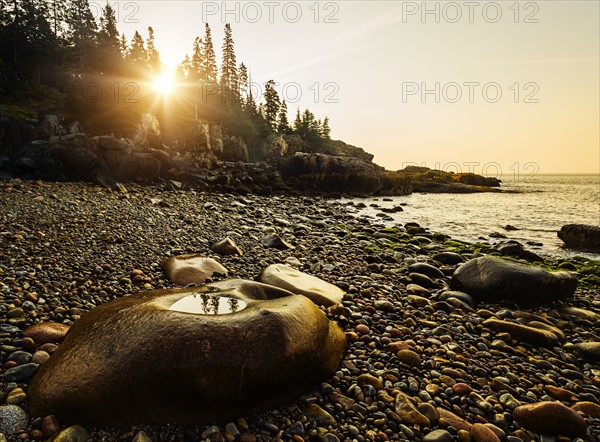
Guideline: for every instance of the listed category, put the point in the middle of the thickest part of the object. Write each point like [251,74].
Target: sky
[496,88]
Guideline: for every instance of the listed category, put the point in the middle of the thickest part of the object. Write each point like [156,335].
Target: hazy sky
[483,86]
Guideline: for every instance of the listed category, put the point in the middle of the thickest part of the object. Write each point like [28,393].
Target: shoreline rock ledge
[187,356]
[581,237]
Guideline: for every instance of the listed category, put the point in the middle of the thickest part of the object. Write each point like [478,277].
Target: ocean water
[540,206]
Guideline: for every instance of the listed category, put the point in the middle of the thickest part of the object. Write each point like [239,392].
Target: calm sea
[542,205]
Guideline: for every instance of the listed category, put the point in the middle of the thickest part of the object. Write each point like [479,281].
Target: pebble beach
[420,364]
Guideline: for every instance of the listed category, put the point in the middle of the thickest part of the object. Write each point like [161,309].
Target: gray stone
[12,419]
[20,372]
[438,436]
[274,241]
[493,279]
[290,279]
[152,358]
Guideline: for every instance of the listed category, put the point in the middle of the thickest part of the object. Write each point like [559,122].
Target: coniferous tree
[210,60]
[185,67]
[81,31]
[297,122]
[152,53]
[272,104]
[196,64]
[283,125]
[250,104]
[229,75]
[137,50]
[109,46]
[57,16]
[243,79]
[123,46]
[325,130]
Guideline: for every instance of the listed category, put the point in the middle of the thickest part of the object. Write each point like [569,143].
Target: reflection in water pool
[209,304]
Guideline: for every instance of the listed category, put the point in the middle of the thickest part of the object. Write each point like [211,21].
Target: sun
[165,83]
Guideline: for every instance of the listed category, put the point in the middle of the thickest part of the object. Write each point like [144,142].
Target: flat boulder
[581,237]
[493,279]
[191,269]
[295,281]
[184,356]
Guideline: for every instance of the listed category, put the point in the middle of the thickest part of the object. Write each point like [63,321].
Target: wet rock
[558,393]
[40,357]
[258,357]
[422,280]
[20,372]
[493,279]
[16,396]
[449,419]
[12,419]
[426,269]
[444,296]
[290,279]
[481,433]
[543,326]
[408,412]
[590,409]
[521,332]
[418,290]
[409,358]
[367,379]
[76,433]
[384,306]
[581,313]
[316,414]
[438,436]
[581,237]
[429,411]
[46,332]
[449,258]
[141,436]
[50,425]
[191,269]
[274,241]
[550,418]
[590,351]
[226,247]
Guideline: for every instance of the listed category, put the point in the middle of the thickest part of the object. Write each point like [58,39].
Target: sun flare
[165,83]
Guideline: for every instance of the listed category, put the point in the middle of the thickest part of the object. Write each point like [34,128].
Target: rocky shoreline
[420,364]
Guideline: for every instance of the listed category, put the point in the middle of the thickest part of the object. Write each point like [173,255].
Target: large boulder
[187,356]
[315,289]
[494,279]
[581,237]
